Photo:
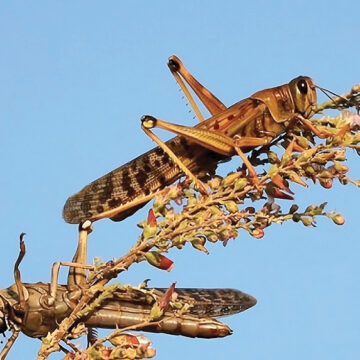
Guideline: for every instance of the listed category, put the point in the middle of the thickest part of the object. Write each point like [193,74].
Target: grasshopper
[196,151]
[37,309]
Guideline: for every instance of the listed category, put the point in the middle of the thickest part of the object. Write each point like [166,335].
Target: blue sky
[75,79]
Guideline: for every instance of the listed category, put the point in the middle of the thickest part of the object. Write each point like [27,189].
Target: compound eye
[302,86]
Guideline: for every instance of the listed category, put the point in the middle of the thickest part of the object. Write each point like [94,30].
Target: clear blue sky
[75,77]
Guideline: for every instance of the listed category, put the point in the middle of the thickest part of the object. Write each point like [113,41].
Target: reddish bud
[326,183]
[159,261]
[257,233]
[281,195]
[151,219]
[105,353]
[165,300]
[274,192]
[281,183]
[125,340]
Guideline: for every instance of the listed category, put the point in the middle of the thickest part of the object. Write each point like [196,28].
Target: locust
[196,151]
[37,309]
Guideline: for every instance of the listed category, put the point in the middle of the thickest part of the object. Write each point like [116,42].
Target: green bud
[178,242]
[159,205]
[173,193]
[198,243]
[231,206]
[191,201]
[214,182]
[302,141]
[211,236]
[286,158]
[240,184]
[230,179]
[340,155]
[215,210]
[189,194]
[310,170]
[272,157]
[273,170]
[325,175]
[183,224]
[307,221]
[340,167]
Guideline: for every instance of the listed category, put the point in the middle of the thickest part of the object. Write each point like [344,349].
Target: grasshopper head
[304,95]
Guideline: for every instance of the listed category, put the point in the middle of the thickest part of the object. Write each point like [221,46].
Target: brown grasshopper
[196,151]
[37,309]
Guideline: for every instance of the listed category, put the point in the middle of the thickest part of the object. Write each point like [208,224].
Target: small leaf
[156,313]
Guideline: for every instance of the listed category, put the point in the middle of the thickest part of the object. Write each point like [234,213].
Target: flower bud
[338,219]
[273,158]
[165,300]
[257,233]
[151,219]
[199,243]
[302,141]
[326,183]
[231,206]
[240,184]
[281,183]
[105,353]
[159,261]
[340,167]
[307,221]
[125,340]
[285,158]
[230,178]
[273,170]
[214,182]
[293,176]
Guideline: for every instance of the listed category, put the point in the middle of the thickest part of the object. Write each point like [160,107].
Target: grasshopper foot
[148,121]
[173,64]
